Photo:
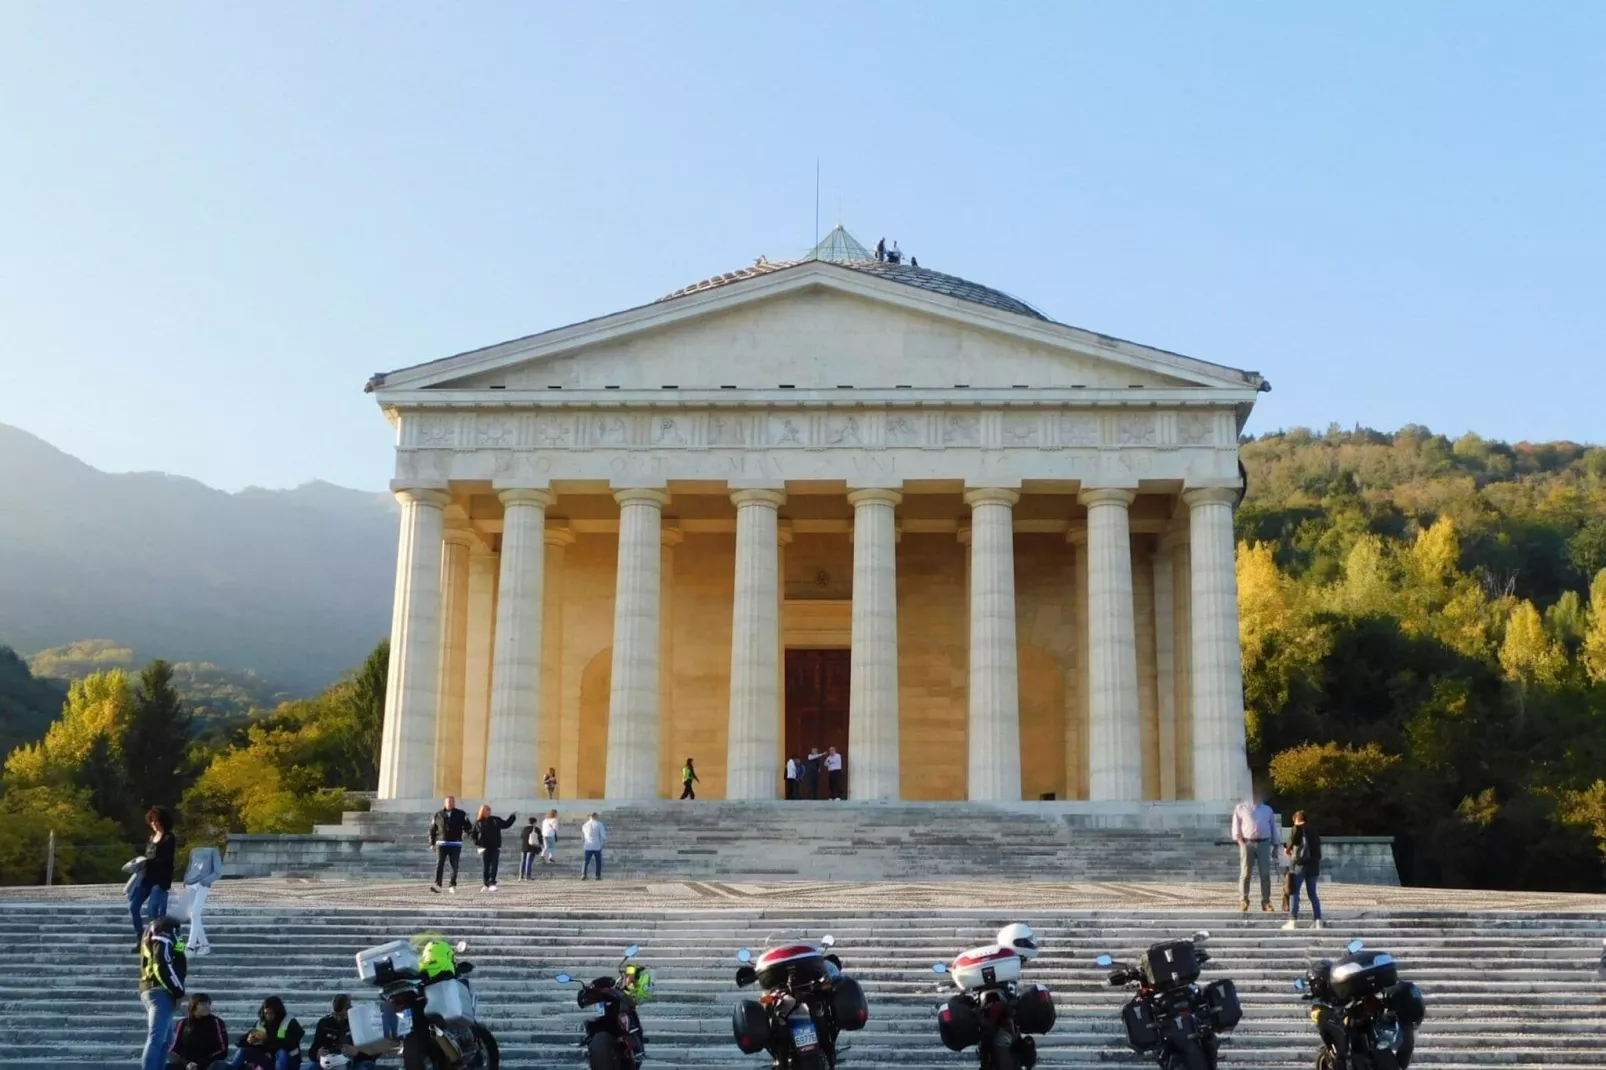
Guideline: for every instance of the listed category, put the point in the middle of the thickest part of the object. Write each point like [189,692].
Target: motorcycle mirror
[632,951]
[744,955]
[828,940]
[1354,946]
[563,978]
[1104,960]
[1299,985]
[462,946]
[1201,936]
[939,967]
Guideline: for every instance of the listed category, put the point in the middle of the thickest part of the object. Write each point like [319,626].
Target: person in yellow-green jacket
[688,777]
[161,985]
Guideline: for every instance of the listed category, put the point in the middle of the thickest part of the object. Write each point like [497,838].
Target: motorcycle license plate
[804,1038]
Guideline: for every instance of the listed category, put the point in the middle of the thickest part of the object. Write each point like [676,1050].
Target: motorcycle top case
[1363,973]
[400,954]
[1034,1010]
[848,1005]
[1142,1032]
[375,1030]
[1221,997]
[451,999]
[985,967]
[750,1023]
[959,1023]
[803,963]
[1170,964]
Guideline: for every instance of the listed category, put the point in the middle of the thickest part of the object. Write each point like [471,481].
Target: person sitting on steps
[202,1038]
[274,1043]
[332,1036]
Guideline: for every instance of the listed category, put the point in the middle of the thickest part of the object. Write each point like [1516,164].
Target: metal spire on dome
[841,247]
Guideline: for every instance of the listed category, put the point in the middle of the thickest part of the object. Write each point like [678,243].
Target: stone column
[552,743]
[994,659]
[669,742]
[873,674]
[1165,665]
[1182,654]
[1220,759]
[482,566]
[511,759]
[1115,757]
[1076,717]
[755,717]
[406,764]
[453,671]
[633,695]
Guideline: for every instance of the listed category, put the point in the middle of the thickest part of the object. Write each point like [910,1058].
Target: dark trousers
[444,855]
[814,782]
[489,859]
[791,787]
[587,863]
[835,777]
[527,863]
[157,897]
[687,791]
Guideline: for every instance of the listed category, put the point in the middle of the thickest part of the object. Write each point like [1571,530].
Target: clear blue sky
[219,219]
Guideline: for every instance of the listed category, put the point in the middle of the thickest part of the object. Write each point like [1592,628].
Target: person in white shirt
[833,771]
[206,866]
[549,835]
[593,834]
[1253,828]
[791,778]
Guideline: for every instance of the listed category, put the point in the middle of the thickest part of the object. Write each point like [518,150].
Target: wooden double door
[817,710]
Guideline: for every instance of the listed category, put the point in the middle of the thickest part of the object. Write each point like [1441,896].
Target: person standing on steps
[162,967]
[550,782]
[446,831]
[156,876]
[815,755]
[833,771]
[549,835]
[688,777]
[206,866]
[1252,831]
[531,840]
[488,836]
[791,777]
[593,834]
[1305,852]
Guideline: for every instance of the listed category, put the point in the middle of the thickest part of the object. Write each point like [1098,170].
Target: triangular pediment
[815,327]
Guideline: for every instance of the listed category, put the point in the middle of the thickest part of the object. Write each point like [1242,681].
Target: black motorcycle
[1366,1015]
[434,1016]
[613,1039]
[1172,1019]
[807,1002]
[998,1018]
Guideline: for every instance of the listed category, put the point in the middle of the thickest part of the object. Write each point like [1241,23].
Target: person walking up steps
[1305,851]
[688,777]
[531,841]
[549,835]
[593,834]
[488,835]
[446,831]
[1253,833]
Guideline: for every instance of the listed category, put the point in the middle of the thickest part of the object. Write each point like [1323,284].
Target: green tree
[1593,654]
[1587,549]
[157,738]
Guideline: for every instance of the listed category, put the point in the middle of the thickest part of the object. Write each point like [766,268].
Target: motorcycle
[991,1012]
[1366,1015]
[613,1039]
[428,1005]
[1170,1018]
[807,1002]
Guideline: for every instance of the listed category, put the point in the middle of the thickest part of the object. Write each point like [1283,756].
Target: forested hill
[1424,631]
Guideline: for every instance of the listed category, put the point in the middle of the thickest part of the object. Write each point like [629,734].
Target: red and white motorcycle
[806,1002]
[992,1011]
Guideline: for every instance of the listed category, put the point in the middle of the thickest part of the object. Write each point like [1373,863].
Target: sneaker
[1243,907]
[198,952]
[492,888]
[1266,908]
[453,889]
[435,888]
[1318,924]
[1290,924]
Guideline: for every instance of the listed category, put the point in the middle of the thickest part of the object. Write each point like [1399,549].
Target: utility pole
[50,860]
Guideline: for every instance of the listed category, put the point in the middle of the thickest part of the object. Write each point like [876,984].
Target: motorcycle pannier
[450,999]
[1141,1031]
[375,1030]
[1034,1011]
[1405,999]
[751,1023]
[959,1023]
[1221,997]
[1169,965]
[1363,973]
[849,1005]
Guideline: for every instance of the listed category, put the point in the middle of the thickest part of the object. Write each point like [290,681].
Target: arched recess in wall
[1042,723]
[595,684]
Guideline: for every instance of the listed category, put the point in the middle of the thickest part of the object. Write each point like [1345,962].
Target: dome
[841,248]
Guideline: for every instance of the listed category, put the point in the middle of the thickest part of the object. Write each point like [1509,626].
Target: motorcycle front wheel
[1384,1060]
[813,1060]
[1002,1058]
[602,1053]
[490,1054]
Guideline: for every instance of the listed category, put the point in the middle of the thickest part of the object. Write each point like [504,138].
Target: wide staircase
[1504,990]
[804,840]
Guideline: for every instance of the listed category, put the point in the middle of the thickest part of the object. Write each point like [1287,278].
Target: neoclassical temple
[836,501]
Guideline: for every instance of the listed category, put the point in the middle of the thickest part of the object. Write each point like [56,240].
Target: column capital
[963,534]
[875,495]
[1076,534]
[461,535]
[641,496]
[759,496]
[1210,496]
[434,497]
[991,496]
[559,534]
[526,496]
[671,535]
[1107,496]
[1174,536]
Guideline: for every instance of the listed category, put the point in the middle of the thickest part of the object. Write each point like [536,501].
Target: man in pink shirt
[1253,830]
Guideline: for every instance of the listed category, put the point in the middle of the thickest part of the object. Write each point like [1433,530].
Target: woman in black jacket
[488,837]
[202,1038]
[156,875]
[1305,853]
